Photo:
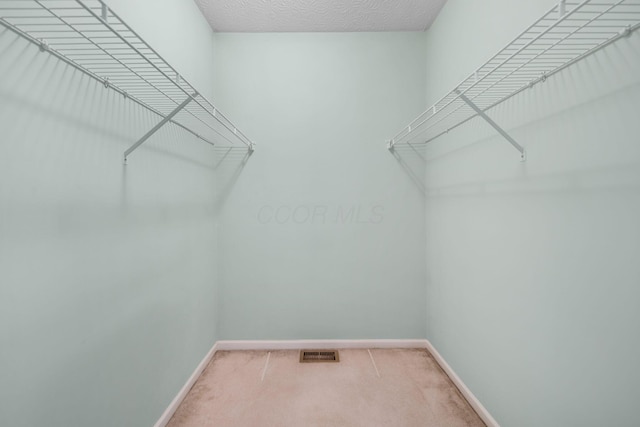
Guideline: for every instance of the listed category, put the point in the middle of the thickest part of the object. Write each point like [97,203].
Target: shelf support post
[158,126]
[523,154]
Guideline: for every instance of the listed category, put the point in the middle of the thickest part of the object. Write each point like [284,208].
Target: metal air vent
[311,356]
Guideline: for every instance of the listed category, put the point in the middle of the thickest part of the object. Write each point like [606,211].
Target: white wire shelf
[570,31]
[89,36]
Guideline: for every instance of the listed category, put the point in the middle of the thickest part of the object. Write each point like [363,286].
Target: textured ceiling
[319,15]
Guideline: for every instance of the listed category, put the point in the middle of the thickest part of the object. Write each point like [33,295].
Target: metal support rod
[493,124]
[158,126]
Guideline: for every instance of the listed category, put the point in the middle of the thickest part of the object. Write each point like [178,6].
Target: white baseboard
[473,401]
[318,344]
[175,403]
[326,344]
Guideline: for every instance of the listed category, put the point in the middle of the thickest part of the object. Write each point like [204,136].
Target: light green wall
[108,279]
[109,294]
[322,235]
[533,267]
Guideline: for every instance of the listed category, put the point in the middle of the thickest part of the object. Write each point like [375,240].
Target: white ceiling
[319,15]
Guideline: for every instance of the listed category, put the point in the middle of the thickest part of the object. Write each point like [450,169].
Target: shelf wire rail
[89,36]
[567,33]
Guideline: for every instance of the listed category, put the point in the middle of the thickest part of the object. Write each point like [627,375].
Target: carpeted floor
[380,387]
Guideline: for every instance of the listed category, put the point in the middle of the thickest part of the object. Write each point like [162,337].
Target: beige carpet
[258,388]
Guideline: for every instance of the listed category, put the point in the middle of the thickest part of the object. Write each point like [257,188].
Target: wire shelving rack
[89,36]
[567,33]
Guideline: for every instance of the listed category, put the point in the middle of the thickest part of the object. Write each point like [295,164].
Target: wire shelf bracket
[158,126]
[523,153]
[568,32]
[90,37]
